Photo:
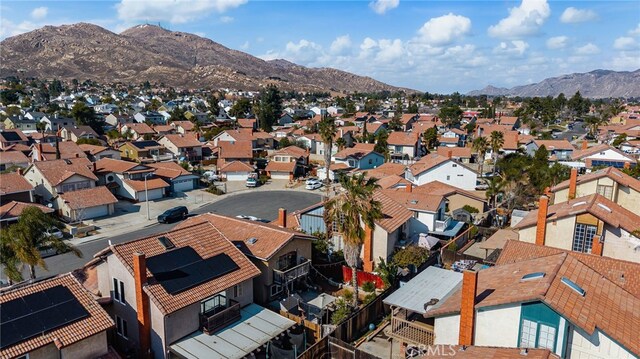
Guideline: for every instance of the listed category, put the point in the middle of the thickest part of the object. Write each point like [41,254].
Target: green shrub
[369,298]
[410,255]
[368,287]
[470,209]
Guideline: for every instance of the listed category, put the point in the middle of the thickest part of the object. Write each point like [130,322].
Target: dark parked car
[173,214]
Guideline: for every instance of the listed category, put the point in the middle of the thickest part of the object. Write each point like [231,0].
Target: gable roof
[105,165]
[388,168]
[394,214]
[580,154]
[456,152]
[354,152]
[14,209]
[57,171]
[443,189]
[610,172]
[143,145]
[89,197]
[97,321]
[555,144]
[428,162]
[208,242]
[169,169]
[236,166]
[403,138]
[93,149]
[186,125]
[180,140]
[139,128]
[270,237]
[390,181]
[68,149]
[417,201]
[240,134]
[13,183]
[274,166]
[595,204]
[81,130]
[294,151]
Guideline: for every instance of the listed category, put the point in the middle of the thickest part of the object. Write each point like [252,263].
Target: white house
[435,167]
[603,155]
[236,171]
[127,179]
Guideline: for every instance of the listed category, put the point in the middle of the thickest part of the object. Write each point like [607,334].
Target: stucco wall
[620,244]
[451,173]
[498,326]
[89,348]
[596,346]
[457,201]
[48,351]
[447,329]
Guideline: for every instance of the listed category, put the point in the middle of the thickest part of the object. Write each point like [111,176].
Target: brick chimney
[584,145]
[596,246]
[541,229]
[449,154]
[142,304]
[573,182]
[467,307]
[627,165]
[367,264]
[282,218]
[409,187]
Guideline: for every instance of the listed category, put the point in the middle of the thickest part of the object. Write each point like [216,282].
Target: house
[9,159]
[236,171]
[434,167]
[404,145]
[609,182]
[196,116]
[182,127]
[53,318]
[407,120]
[457,198]
[229,151]
[359,157]
[95,153]
[282,255]
[117,119]
[248,123]
[11,211]
[74,133]
[560,150]
[144,151]
[35,115]
[183,147]
[138,131]
[284,120]
[12,137]
[460,154]
[512,121]
[179,179]
[591,224]
[130,180]
[164,129]
[240,134]
[53,151]
[184,293]
[152,117]
[603,155]
[14,187]
[534,298]
[55,122]
[21,123]
[70,186]
[287,163]
[387,169]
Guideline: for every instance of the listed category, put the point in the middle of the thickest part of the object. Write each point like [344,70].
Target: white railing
[442,225]
[165,157]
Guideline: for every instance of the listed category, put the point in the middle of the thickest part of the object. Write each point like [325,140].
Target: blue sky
[435,46]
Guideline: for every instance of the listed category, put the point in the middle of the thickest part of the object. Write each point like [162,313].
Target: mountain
[147,52]
[594,84]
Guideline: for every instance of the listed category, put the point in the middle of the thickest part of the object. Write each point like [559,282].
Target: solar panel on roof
[11,136]
[183,268]
[38,313]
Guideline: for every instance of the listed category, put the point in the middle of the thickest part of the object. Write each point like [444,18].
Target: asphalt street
[259,204]
[578,130]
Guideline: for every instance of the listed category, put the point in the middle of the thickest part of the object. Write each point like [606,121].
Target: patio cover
[256,327]
[431,283]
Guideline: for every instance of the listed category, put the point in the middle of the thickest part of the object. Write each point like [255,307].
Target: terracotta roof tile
[403,138]
[169,169]
[274,166]
[237,166]
[183,140]
[105,165]
[240,134]
[12,183]
[388,168]
[97,321]
[13,157]
[139,128]
[90,197]
[428,162]
[14,209]
[391,181]
[352,152]
[186,125]
[443,189]
[456,152]
[394,214]
[291,151]
[57,171]
[92,149]
[581,154]
[555,144]
[68,150]
[415,200]
[208,242]
[246,122]
[235,149]
[610,172]
[153,183]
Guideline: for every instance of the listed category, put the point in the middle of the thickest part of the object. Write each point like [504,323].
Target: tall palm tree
[327,129]
[496,186]
[496,141]
[352,209]
[341,143]
[23,240]
[480,145]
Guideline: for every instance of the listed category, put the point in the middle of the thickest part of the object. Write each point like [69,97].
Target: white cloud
[444,29]
[625,43]
[571,15]
[389,50]
[245,46]
[173,11]
[200,33]
[636,31]
[588,49]
[382,6]
[557,42]
[226,19]
[39,13]
[341,45]
[523,20]
[625,60]
[9,28]
[512,48]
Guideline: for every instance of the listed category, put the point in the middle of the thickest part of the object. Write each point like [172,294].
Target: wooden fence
[358,323]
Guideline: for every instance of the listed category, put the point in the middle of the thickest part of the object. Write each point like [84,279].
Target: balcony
[164,157]
[411,331]
[220,317]
[286,276]
[441,226]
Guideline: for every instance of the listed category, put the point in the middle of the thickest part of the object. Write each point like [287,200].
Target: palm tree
[351,209]
[495,142]
[496,185]
[23,240]
[480,145]
[327,129]
[341,143]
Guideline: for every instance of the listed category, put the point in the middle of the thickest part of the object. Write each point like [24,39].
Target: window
[547,337]
[606,191]
[583,237]
[26,356]
[370,161]
[528,334]
[214,303]
[118,291]
[448,178]
[275,289]
[454,165]
[237,290]
[121,327]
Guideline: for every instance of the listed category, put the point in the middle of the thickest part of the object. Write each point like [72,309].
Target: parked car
[311,180]
[311,185]
[53,232]
[210,176]
[481,186]
[252,180]
[173,214]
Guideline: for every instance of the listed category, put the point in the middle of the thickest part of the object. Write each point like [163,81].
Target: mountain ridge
[152,53]
[598,83]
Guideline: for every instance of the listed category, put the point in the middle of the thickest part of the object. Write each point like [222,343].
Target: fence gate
[341,350]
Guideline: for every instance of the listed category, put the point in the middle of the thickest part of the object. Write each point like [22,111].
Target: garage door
[153,194]
[280,175]
[237,176]
[94,212]
[183,185]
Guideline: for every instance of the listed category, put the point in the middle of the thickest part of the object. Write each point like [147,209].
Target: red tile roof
[236,166]
[92,149]
[208,242]
[14,209]
[13,157]
[97,321]
[153,183]
[610,172]
[235,149]
[12,183]
[294,151]
[274,166]
[169,169]
[139,128]
[388,168]
[17,132]
[419,201]
[181,141]
[87,198]
[57,171]
[403,138]
[394,214]
[105,165]
[555,144]
[456,152]
[443,189]
[581,154]
[353,152]
[391,181]
[68,149]
[428,162]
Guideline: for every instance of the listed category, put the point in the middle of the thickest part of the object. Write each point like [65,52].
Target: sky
[434,46]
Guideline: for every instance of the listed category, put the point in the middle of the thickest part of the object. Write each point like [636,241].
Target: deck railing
[411,331]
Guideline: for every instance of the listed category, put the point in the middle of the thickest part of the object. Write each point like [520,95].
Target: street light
[146,194]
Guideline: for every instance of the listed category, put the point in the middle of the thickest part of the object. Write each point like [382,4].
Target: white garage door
[183,185]
[153,194]
[237,176]
[94,212]
[280,175]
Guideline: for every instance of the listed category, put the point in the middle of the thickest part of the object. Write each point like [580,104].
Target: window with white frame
[237,290]
[547,337]
[275,289]
[121,327]
[606,191]
[528,334]
[583,237]
[118,291]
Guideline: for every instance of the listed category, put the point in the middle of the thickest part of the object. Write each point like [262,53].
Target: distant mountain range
[147,52]
[594,84]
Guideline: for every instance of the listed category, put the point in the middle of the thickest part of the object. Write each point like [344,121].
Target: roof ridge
[555,271]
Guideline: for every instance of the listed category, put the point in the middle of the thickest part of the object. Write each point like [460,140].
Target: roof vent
[569,283]
[414,201]
[578,203]
[166,242]
[252,240]
[604,207]
[531,276]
